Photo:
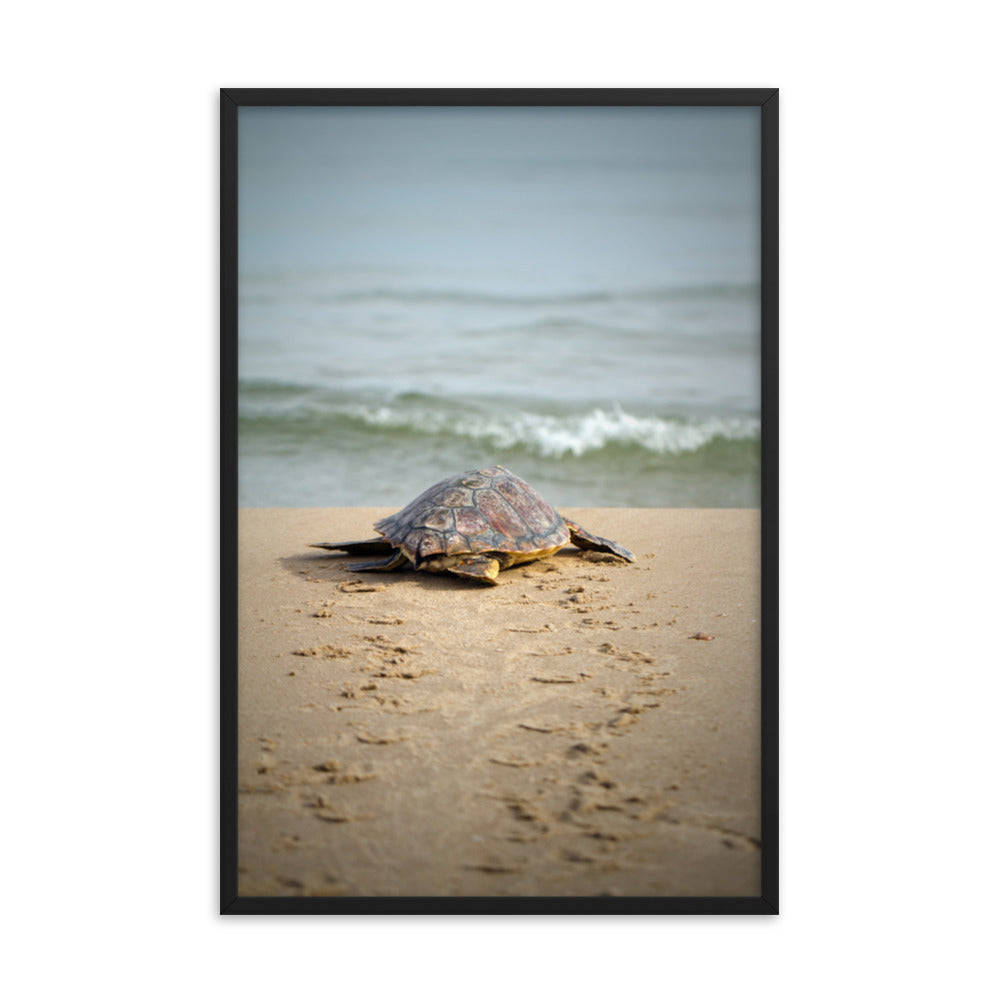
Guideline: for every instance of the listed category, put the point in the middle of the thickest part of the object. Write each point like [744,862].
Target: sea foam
[575,434]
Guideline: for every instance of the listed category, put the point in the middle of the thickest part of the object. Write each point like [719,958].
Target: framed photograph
[499,501]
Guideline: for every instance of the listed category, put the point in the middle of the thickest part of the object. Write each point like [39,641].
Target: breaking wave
[543,434]
[576,434]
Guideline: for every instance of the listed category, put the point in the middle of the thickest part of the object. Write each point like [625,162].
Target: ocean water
[572,293]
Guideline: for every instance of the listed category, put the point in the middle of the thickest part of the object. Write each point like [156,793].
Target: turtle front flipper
[583,539]
[484,569]
[369,547]
[395,561]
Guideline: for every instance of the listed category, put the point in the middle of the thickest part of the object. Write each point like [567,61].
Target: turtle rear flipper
[395,561]
[481,568]
[583,539]
[369,547]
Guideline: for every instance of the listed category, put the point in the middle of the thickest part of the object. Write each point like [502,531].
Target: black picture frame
[231,100]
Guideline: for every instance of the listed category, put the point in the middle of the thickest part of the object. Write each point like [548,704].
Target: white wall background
[889,541]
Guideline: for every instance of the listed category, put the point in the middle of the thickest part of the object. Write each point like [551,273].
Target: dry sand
[563,733]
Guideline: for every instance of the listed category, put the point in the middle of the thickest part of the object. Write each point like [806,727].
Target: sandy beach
[588,727]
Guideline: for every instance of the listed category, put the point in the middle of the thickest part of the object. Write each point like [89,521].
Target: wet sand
[587,727]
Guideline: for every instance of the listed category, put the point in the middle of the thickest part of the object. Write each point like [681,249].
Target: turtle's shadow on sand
[326,568]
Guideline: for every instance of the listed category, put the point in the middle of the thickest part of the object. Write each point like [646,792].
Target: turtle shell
[484,510]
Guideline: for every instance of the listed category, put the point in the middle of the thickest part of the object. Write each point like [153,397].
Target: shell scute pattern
[455,543]
[536,513]
[411,540]
[489,510]
[477,480]
[430,545]
[457,498]
[502,517]
[439,519]
[469,522]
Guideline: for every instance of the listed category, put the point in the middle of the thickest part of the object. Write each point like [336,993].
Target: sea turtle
[473,525]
